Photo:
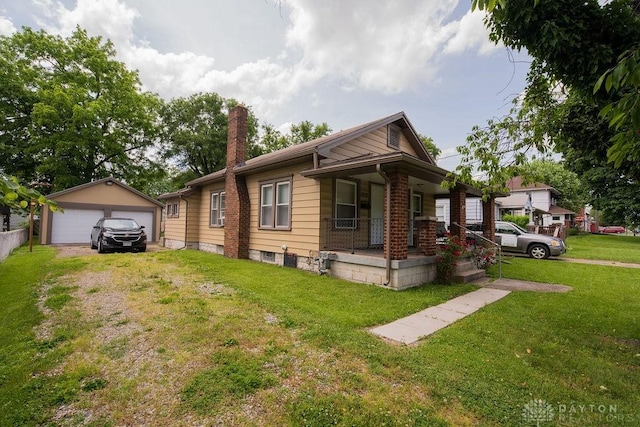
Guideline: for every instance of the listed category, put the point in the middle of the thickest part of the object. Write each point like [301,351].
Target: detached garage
[85,204]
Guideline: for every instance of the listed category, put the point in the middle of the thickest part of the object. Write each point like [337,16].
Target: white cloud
[387,46]
[6,26]
[109,18]
[470,34]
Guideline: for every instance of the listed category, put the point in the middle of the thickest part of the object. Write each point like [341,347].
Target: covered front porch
[378,218]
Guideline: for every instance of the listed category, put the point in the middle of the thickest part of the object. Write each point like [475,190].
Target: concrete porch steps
[467,272]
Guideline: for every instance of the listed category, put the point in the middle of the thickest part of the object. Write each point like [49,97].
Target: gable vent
[393,137]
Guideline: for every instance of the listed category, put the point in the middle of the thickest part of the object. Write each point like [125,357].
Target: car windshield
[120,224]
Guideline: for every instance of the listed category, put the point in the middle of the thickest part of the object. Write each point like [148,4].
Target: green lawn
[313,363]
[604,247]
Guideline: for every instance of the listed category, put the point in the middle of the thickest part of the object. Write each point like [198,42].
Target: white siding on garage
[74,225]
[142,218]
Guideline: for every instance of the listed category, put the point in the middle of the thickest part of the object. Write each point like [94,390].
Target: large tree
[195,134]
[70,112]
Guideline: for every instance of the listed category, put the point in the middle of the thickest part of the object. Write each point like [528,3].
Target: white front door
[376,214]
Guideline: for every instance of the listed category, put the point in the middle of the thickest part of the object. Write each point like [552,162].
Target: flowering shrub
[483,256]
[447,255]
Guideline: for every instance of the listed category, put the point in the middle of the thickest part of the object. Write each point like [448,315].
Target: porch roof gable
[368,164]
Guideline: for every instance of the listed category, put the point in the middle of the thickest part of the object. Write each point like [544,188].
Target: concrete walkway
[411,329]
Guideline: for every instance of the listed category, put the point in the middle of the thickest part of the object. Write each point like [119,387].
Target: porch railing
[349,234]
[549,230]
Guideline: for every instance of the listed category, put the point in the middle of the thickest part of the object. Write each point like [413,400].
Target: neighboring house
[474,209]
[542,198]
[85,204]
[358,204]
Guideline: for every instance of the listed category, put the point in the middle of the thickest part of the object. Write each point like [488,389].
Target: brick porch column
[399,244]
[426,235]
[236,228]
[489,218]
[458,212]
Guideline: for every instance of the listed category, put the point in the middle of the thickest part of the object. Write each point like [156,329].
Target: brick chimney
[236,227]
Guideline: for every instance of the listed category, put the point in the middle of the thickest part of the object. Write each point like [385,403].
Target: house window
[275,204]
[268,256]
[218,209]
[173,210]
[346,206]
[555,218]
[393,137]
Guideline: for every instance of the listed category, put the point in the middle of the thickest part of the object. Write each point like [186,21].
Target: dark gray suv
[121,234]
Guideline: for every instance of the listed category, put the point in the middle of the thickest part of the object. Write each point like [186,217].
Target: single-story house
[85,204]
[358,204]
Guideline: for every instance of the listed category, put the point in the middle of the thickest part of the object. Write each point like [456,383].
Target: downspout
[186,219]
[387,220]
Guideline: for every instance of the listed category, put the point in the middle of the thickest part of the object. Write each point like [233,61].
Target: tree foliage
[15,195]
[430,145]
[585,63]
[195,133]
[69,112]
[304,131]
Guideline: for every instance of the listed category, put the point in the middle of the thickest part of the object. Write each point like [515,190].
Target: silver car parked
[515,239]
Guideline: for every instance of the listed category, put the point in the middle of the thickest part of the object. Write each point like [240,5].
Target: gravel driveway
[85,250]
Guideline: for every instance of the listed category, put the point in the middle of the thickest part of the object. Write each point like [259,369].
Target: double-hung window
[275,204]
[346,208]
[218,207]
[173,210]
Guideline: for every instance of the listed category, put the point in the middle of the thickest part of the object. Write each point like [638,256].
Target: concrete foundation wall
[9,240]
[404,273]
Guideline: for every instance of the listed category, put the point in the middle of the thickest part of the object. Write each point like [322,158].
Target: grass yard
[190,338]
[604,247]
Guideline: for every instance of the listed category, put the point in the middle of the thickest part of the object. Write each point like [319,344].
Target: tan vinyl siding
[405,146]
[105,195]
[174,226]
[208,234]
[305,207]
[428,205]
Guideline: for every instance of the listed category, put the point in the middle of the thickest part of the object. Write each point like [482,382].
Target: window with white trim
[346,204]
[173,210]
[218,208]
[275,204]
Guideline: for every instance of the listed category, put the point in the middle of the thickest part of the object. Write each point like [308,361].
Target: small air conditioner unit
[220,221]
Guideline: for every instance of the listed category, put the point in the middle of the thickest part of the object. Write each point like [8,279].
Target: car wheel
[143,249]
[100,247]
[538,251]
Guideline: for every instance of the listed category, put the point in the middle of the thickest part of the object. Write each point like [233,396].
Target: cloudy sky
[344,62]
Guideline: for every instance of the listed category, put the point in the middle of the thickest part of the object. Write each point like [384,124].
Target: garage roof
[104,181]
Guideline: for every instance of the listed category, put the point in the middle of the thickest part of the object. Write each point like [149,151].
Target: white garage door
[142,218]
[74,225]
